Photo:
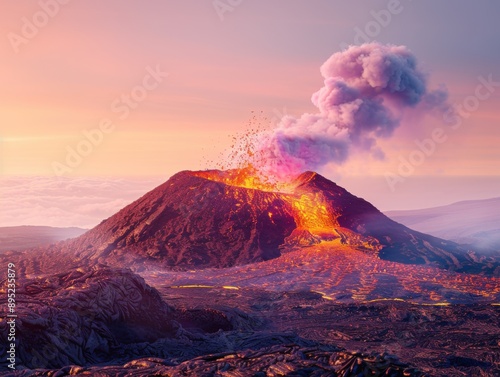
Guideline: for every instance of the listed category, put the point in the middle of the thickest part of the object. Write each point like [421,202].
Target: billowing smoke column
[367,89]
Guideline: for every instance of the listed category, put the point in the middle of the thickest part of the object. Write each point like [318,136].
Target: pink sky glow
[69,75]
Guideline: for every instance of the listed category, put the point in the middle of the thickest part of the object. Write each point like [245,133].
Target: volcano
[230,273]
[226,218]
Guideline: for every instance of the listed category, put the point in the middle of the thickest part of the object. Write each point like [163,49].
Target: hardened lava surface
[453,340]
[293,333]
[307,313]
[344,274]
[109,322]
[229,278]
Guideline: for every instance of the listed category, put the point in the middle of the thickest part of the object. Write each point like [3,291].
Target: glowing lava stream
[309,210]
[247,178]
[311,213]
[230,287]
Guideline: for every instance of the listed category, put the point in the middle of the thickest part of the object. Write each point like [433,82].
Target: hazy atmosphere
[84,97]
[232,188]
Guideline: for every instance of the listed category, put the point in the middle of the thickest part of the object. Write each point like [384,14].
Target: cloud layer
[66,202]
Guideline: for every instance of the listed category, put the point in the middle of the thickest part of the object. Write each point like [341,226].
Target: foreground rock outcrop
[100,315]
[82,317]
[285,360]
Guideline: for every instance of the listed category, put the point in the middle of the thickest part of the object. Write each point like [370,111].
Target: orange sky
[259,57]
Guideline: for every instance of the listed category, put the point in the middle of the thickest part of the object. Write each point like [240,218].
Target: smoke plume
[367,90]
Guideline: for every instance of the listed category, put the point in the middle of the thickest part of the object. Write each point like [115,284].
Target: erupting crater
[313,219]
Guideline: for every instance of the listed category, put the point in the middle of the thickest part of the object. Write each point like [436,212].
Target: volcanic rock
[102,315]
[82,316]
[283,360]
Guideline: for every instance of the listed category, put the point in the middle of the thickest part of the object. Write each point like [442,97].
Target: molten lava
[311,212]
[315,220]
[247,177]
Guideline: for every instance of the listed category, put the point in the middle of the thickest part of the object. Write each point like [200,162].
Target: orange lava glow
[309,209]
[247,177]
[311,213]
[315,219]
[341,273]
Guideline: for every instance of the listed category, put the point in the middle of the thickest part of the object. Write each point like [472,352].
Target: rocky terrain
[215,274]
[453,340]
[286,360]
[341,274]
[101,315]
[110,323]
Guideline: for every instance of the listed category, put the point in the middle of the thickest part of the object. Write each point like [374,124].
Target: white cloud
[65,202]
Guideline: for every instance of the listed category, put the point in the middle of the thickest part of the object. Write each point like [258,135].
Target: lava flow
[308,209]
[247,177]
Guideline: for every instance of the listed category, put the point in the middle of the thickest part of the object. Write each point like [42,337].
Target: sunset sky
[65,69]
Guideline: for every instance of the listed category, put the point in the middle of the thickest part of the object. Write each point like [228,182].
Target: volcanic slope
[227,218]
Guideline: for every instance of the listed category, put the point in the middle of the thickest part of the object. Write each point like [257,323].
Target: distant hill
[475,222]
[25,237]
